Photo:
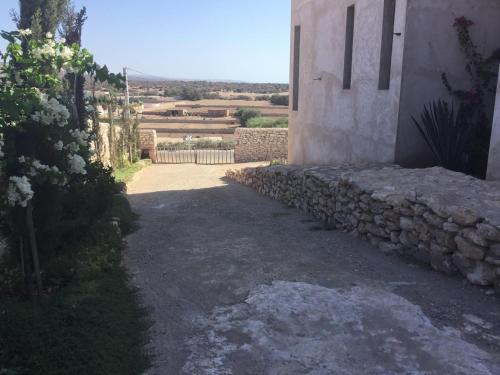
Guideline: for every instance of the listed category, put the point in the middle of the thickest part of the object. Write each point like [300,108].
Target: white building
[362,68]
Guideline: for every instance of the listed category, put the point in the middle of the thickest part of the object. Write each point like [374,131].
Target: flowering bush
[43,154]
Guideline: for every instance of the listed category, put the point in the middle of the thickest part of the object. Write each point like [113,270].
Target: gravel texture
[241,284]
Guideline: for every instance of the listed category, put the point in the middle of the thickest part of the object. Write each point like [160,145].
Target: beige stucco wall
[364,124]
[431,49]
[494,160]
[335,125]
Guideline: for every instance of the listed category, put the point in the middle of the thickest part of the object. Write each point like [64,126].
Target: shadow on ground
[240,284]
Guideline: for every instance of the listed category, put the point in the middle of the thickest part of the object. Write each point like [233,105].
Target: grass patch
[94,325]
[126,174]
[268,122]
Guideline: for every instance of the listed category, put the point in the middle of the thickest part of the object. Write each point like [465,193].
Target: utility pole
[126,116]
[127,96]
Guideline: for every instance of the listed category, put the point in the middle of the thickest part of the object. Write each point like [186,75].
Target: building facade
[360,69]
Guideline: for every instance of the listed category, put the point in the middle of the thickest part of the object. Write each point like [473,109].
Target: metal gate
[166,155]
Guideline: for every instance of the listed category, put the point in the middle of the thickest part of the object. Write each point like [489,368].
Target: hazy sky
[195,39]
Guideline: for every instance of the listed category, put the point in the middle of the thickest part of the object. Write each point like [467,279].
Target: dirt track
[239,284]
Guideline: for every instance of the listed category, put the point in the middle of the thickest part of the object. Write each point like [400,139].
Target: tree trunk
[34,248]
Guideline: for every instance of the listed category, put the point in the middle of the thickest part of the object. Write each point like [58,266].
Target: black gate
[170,155]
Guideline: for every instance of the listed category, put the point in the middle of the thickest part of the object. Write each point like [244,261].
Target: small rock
[493,260]
[406,223]
[443,263]
[482,274]
[474,237]
[469,250]
[436,248]
[495,250]
[388,247]
[451,227]
[489,232]
[408,239]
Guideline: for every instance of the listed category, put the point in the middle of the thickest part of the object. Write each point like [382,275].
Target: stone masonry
[442,218]
[260,145]
[148,141]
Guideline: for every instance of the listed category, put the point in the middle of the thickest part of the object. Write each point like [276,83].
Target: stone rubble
[260,144]
[445,219]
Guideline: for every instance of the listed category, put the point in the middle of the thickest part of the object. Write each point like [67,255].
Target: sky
[238,40]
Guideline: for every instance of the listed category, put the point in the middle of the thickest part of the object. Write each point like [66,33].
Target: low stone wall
[445,219]
[260,145]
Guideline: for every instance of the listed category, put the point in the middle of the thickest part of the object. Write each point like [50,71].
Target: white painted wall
[494,160]
[333,125]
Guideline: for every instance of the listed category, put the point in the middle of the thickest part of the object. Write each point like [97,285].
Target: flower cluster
[76,164]
[463,22]
[19,191]
[52,113]
[34,99]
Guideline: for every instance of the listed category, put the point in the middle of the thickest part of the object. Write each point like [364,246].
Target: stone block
[469,250]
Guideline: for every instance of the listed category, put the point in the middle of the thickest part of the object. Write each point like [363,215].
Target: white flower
[47,50]
[63,40]
[21,159]
[25,32]
[49,35]
[72,147]
[80,136]
[66,53]
[39,166]
[19,191]
[59,146]
[76,164]
[53,112]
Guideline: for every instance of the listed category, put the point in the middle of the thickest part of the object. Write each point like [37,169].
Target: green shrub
[268,122]
[265,98]
[280,100]
[245,114]
[92,325]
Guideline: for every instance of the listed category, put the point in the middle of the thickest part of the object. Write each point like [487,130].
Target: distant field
[198,124]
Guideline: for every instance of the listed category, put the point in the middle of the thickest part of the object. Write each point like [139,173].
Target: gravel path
[240,284]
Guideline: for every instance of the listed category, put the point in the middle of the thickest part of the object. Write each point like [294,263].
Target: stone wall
[445,219]
[148,141]
[260,144]
[494,160]
[104,147]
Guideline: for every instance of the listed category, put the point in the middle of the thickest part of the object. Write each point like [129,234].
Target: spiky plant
[447,134]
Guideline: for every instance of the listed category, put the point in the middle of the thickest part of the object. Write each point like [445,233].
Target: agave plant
[447,134]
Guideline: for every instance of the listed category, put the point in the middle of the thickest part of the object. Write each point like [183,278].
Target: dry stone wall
[445,219]
[260,145]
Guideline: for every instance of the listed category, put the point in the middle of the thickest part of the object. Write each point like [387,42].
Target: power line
[145,74]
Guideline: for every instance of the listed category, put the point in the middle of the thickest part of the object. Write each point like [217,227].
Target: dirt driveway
[240,284]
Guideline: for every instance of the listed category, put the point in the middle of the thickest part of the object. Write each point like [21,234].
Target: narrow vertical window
[349,46]
[296,68]
[384,81]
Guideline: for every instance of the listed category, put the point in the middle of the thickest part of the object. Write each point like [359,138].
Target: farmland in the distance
[205,109]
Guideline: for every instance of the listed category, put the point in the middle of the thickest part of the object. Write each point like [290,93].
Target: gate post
[148,142]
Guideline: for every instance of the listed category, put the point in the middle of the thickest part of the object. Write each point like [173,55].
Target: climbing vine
[476,101]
